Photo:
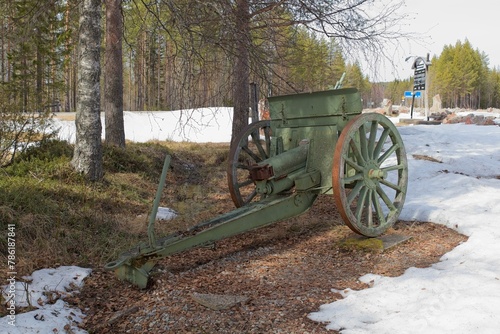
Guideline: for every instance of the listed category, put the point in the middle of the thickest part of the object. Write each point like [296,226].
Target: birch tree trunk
[113,75]
[87,157]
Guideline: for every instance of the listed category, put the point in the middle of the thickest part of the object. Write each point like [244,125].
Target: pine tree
[457,75]
[338,66]
[113,75]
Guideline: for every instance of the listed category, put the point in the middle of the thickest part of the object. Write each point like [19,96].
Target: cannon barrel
[278,173]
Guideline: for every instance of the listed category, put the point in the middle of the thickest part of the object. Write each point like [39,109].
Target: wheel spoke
[354,193]
[267,135]
[369,210]
[393,168]
[354,178]
[385,198]
[388,153]
[372,140]
[242,155]
[381,142]
[378,208]
[361,203]
[362,142]
[252,155]
[250,197]
[242,166]
[245,183]
[356,151]
[260,148]
[391,185]
[353,164]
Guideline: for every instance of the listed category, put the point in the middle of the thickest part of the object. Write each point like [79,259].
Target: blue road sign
[410,94]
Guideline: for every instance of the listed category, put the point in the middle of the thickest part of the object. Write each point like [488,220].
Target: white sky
[444,22]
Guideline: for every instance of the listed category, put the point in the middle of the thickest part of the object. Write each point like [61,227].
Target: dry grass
[65,116]
[63,220]
[425,157]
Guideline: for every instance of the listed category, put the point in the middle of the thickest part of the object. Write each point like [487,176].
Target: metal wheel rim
[370,174]
[249,148]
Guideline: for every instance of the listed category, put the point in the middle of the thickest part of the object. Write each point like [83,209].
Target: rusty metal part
[261,172]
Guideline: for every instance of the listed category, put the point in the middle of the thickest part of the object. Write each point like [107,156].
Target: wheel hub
[373,173]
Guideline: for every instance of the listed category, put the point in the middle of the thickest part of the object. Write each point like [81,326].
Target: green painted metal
[156,203]
[318,117]
[289,161]
[134,265]
[283,168]
[313,106]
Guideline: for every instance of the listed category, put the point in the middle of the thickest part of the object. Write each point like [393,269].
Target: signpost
[420,82]
[420,76]
[409,94]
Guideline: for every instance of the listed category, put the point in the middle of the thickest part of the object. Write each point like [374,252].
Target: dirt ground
[285,271]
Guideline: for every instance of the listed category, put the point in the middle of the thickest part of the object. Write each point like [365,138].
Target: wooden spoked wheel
[252,146]
[370,174]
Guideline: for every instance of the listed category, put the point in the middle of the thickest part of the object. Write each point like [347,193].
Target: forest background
[166,67]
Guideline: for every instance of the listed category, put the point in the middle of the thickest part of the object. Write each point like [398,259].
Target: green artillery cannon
[313,143]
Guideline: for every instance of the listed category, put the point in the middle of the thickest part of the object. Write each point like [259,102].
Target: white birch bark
[87,157]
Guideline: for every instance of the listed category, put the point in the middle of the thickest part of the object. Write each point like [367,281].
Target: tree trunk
[166,96]
[241,69]
[2,51]
[74,78]
[68,64]
[113,75]
[87,157]
[140,65]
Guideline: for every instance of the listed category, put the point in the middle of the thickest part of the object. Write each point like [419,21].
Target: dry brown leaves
[286,271]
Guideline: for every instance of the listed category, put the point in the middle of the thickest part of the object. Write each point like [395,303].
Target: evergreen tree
[395,90]
[457,75]
[338,66]
[355,78]
[492,94]
[36,52]
[113,75]
[32,56]
[309,63]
